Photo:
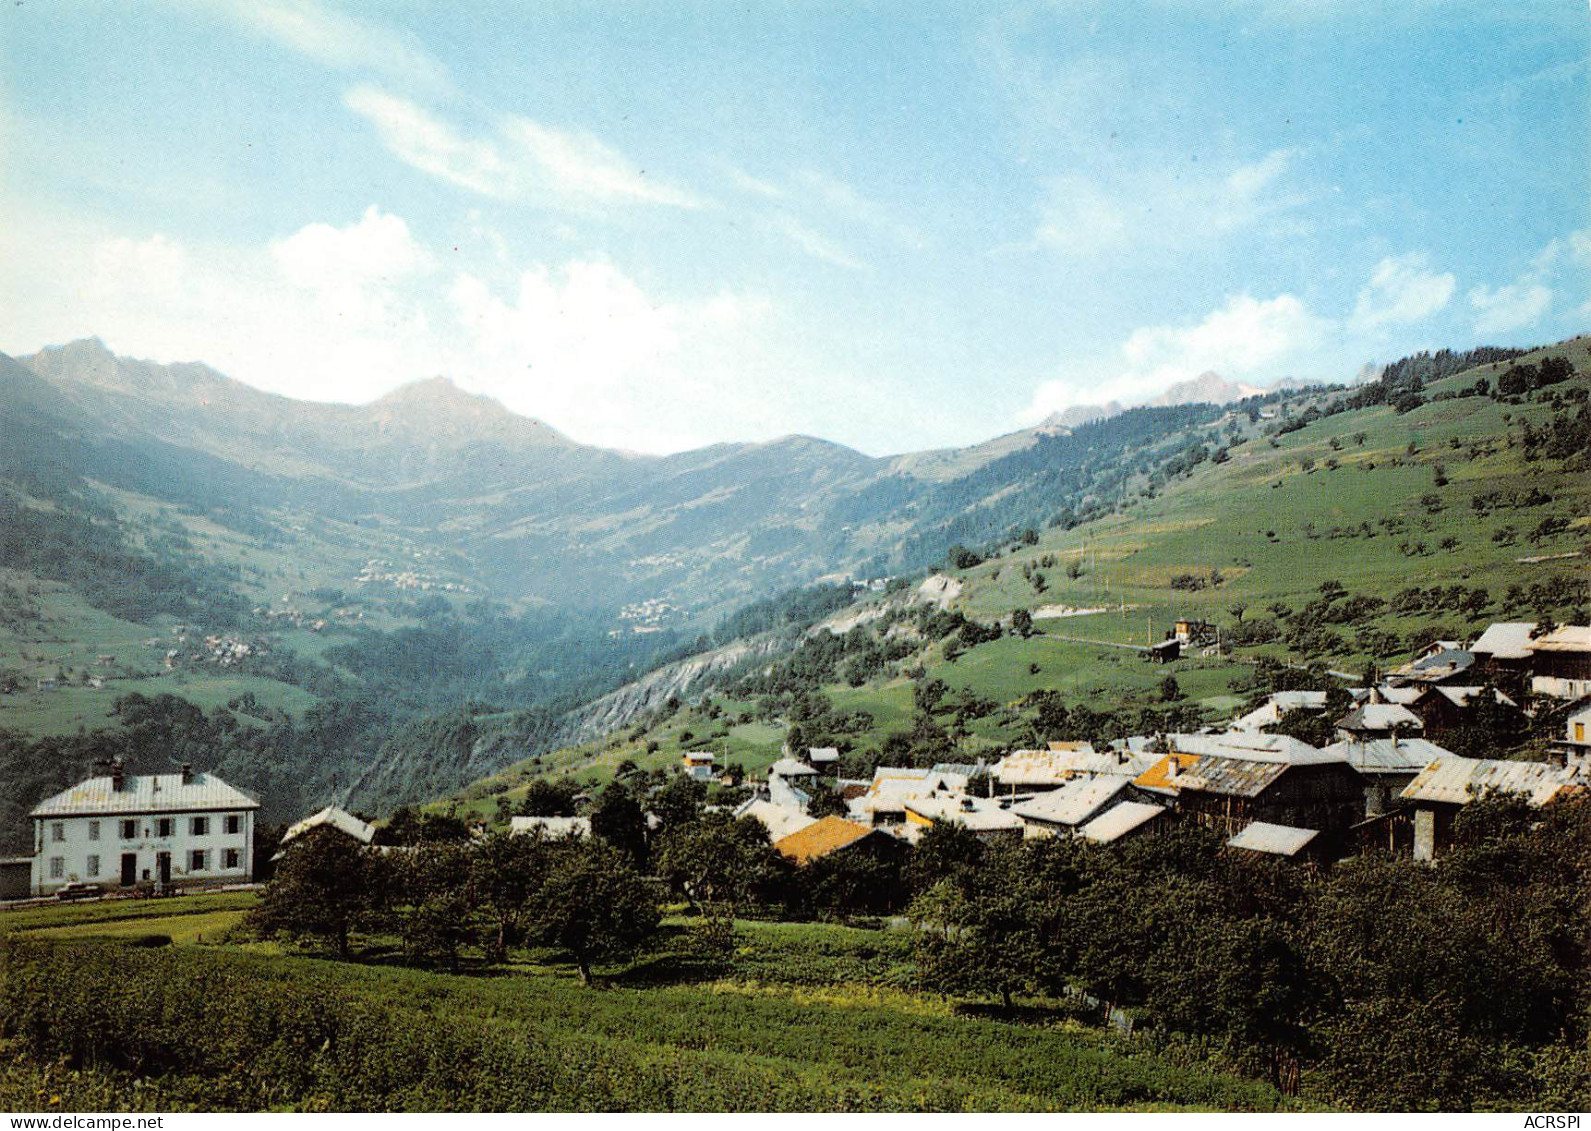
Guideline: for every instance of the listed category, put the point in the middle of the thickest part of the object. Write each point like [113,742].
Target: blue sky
[897,226]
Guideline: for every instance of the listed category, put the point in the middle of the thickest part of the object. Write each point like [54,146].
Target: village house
[1446,709]
[337,820]
[824,759]
[789,782]
[1504,647]
[1435,797]
[884,801]
[1442,662]
[697,764]
[830,835]
[1576,744]
[1227,781]
[983,818]
[1036,771]
[120,830]
[1560,662]
[1280,704]
[1063,811]
[1376,719]
[1386,765]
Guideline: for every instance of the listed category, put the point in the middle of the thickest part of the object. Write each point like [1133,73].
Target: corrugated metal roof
[1277,840]
[339,819]
[1388,755]
[1117,822]
[1443,664]
[1456,781]
[1250,747]
[1076,802]
[1506,640]
[1236,777]
[146,793]
[821,838]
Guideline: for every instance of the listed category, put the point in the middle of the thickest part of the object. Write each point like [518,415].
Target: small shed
[16,877]
[1130,818]
[1285,841]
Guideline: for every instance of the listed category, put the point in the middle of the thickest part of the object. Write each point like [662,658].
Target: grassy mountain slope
[1435,520]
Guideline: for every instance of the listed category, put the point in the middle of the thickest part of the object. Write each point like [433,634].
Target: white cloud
[1247,338]
[1402,289]
[586,347]
[353,272]
[1509,307]
[338,40]
[814,243]
[523,159]
[348,311]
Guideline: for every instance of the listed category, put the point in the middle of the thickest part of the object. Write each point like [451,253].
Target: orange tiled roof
[1157,776]
[821,838]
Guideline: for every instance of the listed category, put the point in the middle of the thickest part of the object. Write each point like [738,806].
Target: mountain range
[528,513]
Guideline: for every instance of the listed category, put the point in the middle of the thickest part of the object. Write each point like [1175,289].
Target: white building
[121,829]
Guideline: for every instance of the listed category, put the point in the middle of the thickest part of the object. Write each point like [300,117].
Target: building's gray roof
[1388,755]
[790,768]
[823,754]
[976,814]
[1567,638]
[334,818]
[145,793]
[1276,840]
[1460,696]
[1251,747]
[1456,781]
[1062,762]
[1117,822]
[1439,665]
[1076,802]
[1506,640]
[1380,716]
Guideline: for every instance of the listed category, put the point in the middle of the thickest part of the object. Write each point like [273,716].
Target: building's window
[163,827]
[232,857]
[58,830]
[199,826]
[129,830]
[234,824]
[57,867]
[93,866]
[198,860]
[93,830]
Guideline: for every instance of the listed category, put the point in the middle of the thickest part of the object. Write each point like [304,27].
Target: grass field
[810,1017]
